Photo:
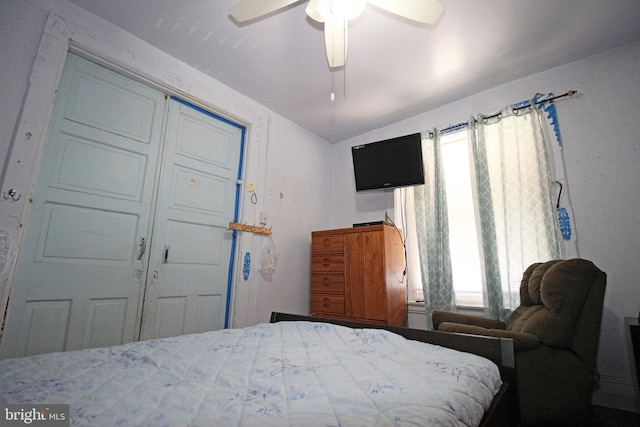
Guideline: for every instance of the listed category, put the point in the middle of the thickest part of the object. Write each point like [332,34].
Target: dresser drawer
[331,304]
[331,243]
[327,263]
[331,283]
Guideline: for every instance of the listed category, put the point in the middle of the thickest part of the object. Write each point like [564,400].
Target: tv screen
[391,163]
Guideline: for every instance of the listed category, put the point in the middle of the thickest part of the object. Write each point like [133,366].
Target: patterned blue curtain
[432,228]
[517,217]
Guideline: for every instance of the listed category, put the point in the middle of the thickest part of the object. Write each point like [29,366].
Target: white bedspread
[288,373]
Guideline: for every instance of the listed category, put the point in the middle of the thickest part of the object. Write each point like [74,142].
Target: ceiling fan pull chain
[344,52]
[333,95]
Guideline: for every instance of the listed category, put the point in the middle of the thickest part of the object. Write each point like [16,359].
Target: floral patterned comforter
[281,374]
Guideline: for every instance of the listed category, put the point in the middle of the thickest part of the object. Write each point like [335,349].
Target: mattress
[276,374]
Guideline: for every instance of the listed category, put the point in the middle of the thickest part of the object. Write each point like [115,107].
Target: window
[485,213]
[463,232]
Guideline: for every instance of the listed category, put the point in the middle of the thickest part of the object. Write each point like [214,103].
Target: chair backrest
[561,302]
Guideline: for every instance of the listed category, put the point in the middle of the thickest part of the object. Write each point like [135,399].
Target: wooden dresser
[357,274]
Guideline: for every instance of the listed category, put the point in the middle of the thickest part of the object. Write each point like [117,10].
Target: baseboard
[617,393]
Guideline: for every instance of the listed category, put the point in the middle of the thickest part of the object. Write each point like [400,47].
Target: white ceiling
[395,68]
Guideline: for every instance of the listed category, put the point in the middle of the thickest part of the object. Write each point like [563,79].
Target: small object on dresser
[366,224]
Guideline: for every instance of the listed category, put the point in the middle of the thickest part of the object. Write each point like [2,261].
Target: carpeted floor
[607,417]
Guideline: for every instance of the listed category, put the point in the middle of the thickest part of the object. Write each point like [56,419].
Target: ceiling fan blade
[246,10]
[425,11]
[335,40]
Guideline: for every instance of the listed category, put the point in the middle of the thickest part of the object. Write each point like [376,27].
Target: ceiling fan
[335,14]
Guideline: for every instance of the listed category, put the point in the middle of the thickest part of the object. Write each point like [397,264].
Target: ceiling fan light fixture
[319,10]
[322,10]
[350,9]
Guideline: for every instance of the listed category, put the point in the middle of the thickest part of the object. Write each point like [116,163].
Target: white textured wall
[297,200]
[601,136]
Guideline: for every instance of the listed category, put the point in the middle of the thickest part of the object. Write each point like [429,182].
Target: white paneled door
[189,264]
[126,227]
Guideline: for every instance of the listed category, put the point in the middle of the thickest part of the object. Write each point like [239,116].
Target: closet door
[81,267]
[113,222]
[191,246]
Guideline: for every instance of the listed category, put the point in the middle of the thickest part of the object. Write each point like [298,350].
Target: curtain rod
[551,99]
[462,125]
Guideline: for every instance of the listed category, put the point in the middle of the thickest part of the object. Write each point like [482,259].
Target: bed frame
[504,407]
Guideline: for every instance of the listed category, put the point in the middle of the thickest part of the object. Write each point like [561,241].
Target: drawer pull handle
[326,302]
[327,262]
[326,281]
[326,242]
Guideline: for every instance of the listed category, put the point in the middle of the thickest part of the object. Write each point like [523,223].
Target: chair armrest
[521,341]
[439,317]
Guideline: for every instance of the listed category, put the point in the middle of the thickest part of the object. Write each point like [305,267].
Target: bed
[295,371]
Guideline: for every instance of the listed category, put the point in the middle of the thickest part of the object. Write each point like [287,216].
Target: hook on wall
[12,194]
[559,193]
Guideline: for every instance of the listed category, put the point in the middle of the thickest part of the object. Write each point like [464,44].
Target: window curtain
[515,203]
[432,229]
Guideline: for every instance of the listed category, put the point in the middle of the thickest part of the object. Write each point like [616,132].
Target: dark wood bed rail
[504,408]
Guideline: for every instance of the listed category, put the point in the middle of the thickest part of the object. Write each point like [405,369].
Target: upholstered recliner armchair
[555,330]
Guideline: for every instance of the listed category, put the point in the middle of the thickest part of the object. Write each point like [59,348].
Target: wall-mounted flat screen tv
[395,162]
